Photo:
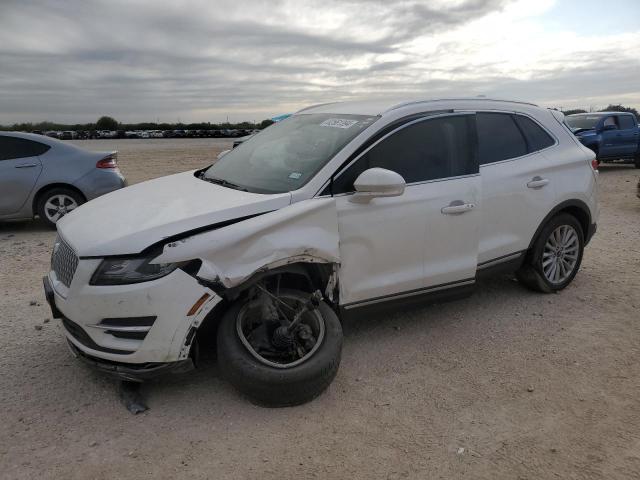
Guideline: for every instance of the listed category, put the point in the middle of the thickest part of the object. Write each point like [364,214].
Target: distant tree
[106,123]
[576,110]
[621,108]
[266,123]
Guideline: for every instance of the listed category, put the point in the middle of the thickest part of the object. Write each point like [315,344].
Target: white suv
[340,206]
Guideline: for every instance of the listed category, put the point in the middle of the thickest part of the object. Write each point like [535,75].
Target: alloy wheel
[57,206]
[560,255]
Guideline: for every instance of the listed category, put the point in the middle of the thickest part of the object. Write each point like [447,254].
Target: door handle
[538,182]
[27,165]
[457,207]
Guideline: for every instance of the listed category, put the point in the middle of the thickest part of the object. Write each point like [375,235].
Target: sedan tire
[56,203]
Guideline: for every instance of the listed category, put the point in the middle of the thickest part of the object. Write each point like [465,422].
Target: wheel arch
[305,276]
[576,208]
[50,186]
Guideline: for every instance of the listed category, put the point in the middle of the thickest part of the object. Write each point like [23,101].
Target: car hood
[129,220]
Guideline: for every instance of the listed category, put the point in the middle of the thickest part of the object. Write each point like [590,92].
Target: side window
[13,147]
[536,137]
[626,122]
[431,149]
[499,138]
[610,121]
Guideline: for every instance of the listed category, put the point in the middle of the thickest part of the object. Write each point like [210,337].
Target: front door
[426,238]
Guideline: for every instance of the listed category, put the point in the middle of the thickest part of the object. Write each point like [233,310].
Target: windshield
[288,154]
[582,121]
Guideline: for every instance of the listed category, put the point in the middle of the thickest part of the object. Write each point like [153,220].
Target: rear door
[627,135]
[518,188]
[610,146]
[20,167]
[426,238]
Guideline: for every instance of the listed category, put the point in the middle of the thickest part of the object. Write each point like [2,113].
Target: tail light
[110,161]
[594,164]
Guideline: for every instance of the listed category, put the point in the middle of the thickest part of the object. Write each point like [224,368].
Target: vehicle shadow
[24,226]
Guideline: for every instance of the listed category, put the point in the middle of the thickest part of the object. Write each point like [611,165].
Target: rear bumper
[101,181]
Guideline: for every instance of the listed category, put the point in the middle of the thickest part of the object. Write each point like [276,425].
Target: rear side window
[499,138]
[536,137]
[626,122]
[428,150]
[13,147]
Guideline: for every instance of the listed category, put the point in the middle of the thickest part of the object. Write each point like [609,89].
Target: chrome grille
[64,261]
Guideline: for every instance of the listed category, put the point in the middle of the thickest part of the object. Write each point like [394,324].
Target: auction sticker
[338,123]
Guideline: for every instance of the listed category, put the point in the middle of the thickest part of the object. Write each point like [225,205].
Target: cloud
[200,60]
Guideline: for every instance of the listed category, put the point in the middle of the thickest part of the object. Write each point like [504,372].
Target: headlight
[119,271]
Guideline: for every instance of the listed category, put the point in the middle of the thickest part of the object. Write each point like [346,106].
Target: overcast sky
[72,61]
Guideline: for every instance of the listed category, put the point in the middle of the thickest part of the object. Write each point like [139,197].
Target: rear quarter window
[536,137]
[14,147]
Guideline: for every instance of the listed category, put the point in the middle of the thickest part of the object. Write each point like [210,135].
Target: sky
[209,60]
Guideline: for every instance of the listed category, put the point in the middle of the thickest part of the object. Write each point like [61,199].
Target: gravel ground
[504,384]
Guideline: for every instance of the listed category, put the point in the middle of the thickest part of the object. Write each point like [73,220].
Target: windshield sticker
[295,175]
[338,123]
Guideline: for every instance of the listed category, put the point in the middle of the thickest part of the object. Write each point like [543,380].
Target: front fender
[305,231]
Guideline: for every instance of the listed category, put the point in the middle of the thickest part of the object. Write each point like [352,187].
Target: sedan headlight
[120,271]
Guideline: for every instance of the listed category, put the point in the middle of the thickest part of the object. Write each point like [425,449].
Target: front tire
[555,258]
[270,385]
[56,203]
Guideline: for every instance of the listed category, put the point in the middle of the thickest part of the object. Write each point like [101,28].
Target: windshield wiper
[224,183]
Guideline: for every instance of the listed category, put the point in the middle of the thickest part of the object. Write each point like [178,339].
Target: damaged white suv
[340,206]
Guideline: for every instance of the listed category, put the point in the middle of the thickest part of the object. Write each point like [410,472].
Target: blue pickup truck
[611,135]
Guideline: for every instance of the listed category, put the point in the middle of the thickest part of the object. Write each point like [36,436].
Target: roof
[380,107]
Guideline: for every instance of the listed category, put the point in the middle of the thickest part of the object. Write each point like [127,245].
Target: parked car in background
[611,135]
[49,178]
[342,206]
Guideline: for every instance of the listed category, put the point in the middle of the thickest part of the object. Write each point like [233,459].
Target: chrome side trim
[408,294]
[496,261]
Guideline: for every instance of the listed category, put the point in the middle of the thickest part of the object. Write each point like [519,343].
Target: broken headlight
[120,271]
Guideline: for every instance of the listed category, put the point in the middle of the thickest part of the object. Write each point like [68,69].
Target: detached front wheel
[279,348]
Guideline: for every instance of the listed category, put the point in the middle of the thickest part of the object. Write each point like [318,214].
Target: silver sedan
[49,178]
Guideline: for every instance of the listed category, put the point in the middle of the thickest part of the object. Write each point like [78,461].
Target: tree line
[609,108]
[109,123]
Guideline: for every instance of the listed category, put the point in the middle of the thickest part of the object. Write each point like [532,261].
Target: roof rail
[416,102]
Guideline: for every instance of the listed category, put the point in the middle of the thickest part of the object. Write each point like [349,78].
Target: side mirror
[609,127]
[377,182]
[222,154]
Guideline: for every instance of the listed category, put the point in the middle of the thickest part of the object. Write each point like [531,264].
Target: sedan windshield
[288,154]
[579,122]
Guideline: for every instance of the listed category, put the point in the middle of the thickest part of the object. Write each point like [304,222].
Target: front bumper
[131,372]
[83,310]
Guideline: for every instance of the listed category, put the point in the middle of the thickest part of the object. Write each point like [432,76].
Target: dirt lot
[505,384]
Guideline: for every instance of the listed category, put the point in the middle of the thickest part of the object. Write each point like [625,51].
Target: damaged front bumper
[100,323]
[131,372]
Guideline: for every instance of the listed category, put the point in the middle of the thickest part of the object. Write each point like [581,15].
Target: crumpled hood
[129,220]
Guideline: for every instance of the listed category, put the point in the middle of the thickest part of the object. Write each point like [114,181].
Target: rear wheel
[274,359]
[56,203]
[556,255]
[636,161]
